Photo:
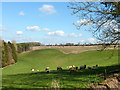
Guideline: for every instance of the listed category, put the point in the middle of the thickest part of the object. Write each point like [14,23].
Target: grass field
[72,49]
[19,75]
[68,49]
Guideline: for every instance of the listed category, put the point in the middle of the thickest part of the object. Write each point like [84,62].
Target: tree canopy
[103,19]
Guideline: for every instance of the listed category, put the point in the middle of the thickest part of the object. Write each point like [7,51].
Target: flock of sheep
[71,68]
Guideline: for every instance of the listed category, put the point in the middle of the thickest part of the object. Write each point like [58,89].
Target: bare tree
[103,19]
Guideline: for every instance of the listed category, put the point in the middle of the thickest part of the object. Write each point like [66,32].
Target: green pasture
[70,49]
[20,75]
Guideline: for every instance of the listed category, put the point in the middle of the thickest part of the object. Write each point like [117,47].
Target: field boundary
[8,66]
[67,47]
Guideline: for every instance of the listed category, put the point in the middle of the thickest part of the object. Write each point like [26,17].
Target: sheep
[47,69]
[82,67]
[59,68]
[95,66]
[32,70]
[89,68]
[69,67]
[73,69]
[76,68]
[73,65]
[37,70]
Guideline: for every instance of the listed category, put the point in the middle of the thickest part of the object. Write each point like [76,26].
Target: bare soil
[112,82]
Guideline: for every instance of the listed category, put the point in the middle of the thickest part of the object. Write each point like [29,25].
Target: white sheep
[47,68]
[73,65]
[37,70]
[69,67]
[32,70]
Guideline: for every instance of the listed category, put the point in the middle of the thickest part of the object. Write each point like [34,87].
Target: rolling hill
[20,75]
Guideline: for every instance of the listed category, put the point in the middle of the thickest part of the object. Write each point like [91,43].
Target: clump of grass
[55,84]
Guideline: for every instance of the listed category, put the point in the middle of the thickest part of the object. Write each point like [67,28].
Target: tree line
[10,51]
[78,44]
[22,47]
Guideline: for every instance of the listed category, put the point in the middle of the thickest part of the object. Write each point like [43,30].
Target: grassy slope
[77,49]
[19,75]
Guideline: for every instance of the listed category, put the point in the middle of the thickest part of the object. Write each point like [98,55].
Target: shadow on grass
[63,78]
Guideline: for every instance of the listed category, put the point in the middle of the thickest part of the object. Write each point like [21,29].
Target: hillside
[18,75]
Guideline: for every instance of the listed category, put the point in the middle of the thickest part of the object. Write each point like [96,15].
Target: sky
[44,22]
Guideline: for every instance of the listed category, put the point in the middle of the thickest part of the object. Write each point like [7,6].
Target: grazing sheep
[73,69]
[59,68]
[76,68]
[89,68]
[69,67]
[95,66]
[47,69]
[82,67]
[73,65]
[32,70]
[37,70]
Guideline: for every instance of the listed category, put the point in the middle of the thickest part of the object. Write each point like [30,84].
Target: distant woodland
[11,50]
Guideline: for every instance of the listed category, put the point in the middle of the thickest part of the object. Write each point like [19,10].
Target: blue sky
[46,22]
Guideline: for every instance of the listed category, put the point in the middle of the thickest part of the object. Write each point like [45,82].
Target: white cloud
[91,40]
[74,35]
[47,9]
[84,22]
[36,41]
[33,28]
[56,33]
[51,33]
[2,27]
[82,41]
[21,13]
[8,40]
[36,28]
[61,33]
[46,29]
[19,32]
